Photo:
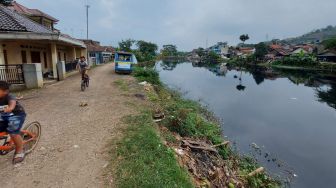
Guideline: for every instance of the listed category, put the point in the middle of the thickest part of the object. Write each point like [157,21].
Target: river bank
[189,133]
[320,66]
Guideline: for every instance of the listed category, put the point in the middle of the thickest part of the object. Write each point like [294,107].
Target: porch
[46,53]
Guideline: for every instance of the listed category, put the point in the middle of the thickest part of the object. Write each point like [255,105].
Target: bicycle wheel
[32,129]
[87,82]
[83,85]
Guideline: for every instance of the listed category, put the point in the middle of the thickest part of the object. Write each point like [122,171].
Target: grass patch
[147,74]
[189,119]
[143,161]
[122,84]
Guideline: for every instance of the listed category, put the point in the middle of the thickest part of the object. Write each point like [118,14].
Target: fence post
[33,75]
[61,70]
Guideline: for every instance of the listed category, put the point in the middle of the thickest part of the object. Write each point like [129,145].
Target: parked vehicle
[124,62]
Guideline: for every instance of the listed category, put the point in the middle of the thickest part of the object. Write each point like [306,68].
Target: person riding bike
[83,67]
[13,116]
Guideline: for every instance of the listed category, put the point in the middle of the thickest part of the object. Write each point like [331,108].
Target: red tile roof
[279,49]
[94,46]
[109,49]
[31,12]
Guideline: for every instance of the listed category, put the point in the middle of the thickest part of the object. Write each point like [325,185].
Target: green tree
[244,38]
[146,51]
[6,2]
[261,51]
[169,50]
[330,43]
[213,58]
[126,45]
[200,52]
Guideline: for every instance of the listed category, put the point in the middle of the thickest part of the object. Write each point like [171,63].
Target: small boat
[124,62]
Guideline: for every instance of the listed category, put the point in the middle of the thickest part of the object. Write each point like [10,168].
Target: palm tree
[244,38]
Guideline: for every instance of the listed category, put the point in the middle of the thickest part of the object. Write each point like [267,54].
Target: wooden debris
[222,144]
[257,171]
[198,145]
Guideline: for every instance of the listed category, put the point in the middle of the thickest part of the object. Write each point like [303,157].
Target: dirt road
[72,151]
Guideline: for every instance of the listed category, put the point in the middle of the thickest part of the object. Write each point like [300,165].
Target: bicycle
[30,133]
[85,83]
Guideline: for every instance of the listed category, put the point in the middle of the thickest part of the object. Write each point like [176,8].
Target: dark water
[286,119]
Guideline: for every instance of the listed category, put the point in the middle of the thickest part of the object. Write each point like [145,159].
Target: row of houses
[279,51]
[29,36]
[275,51]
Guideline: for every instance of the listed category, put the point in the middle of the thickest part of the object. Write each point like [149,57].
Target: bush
[147,74]
[298,60]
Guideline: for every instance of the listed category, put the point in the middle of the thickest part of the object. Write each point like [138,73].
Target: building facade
[24,41]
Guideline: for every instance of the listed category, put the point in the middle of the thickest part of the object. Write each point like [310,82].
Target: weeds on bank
[143,161]
[122,84]
[190,119]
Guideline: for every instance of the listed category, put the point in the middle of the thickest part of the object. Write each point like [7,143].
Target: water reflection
[327,95]
[290,114]
[169,65]
[324,83]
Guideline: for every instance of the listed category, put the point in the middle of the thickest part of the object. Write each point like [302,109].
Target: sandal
[18,158]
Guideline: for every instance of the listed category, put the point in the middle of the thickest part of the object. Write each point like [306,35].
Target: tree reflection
[169,65]
[258,78]
[240,86]
[328,96]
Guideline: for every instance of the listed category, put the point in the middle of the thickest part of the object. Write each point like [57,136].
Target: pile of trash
[147,86]
[204,163]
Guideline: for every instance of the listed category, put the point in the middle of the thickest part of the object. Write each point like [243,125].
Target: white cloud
[188,23]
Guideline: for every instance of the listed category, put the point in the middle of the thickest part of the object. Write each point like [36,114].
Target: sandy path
[56,162]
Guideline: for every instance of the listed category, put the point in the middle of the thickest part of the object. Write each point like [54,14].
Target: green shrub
[298,60]
[147,74]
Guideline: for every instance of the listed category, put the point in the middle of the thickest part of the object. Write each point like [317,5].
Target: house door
[5,57]
[35,57]
[24,56]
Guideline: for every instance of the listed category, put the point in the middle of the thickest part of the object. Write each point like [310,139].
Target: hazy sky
[188,23]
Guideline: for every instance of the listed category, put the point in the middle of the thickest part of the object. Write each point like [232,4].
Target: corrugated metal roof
[12,21]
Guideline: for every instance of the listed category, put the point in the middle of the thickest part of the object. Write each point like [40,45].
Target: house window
[65,57]
[35,57]
[92,55]
[59,56]
[45,60]
[5,56]
[24,56]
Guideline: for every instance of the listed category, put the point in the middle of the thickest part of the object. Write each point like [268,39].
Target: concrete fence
[33,75]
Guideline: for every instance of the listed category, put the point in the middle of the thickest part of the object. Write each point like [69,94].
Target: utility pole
[87,30]
[87,21]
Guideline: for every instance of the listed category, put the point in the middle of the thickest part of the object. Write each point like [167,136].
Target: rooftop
[30,12]
[12,21]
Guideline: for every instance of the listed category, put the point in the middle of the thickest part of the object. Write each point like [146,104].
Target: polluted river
[285,119]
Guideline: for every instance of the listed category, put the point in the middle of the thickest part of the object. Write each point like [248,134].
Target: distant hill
[315,36]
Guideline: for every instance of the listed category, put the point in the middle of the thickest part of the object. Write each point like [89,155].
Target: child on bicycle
[83,67]
[13,115]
